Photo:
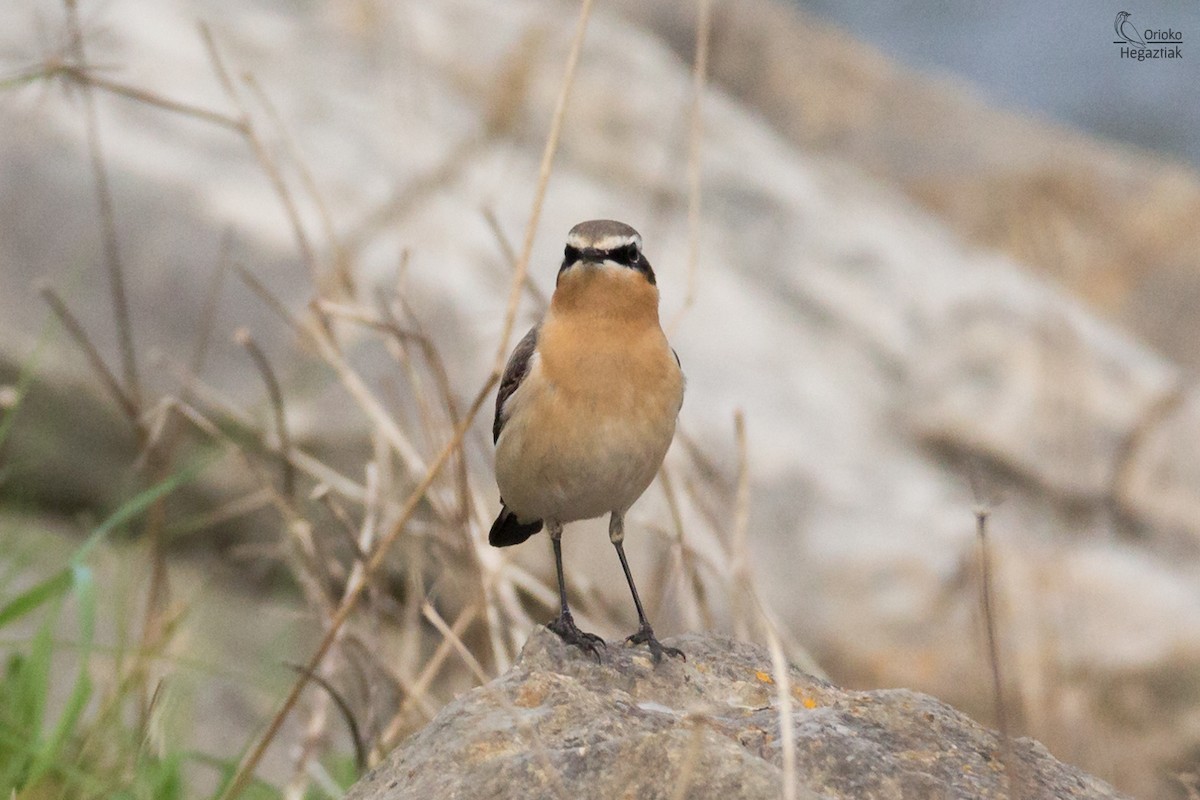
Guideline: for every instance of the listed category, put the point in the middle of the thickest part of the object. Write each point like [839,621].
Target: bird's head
[1122,16]
[604,271]
[607,245]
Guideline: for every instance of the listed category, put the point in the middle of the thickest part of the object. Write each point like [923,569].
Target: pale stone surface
[560,725]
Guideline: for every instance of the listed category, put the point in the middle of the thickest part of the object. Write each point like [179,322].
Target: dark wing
[514,373]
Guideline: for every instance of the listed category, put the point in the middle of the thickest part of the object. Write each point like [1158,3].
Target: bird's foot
[566,629]
[645,635]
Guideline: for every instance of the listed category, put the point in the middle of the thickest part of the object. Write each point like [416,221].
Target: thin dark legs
[564,625]
[645,634]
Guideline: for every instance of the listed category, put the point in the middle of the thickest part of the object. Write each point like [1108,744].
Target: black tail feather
[507,531]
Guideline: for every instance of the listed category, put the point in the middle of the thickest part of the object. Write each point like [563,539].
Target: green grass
[88,737]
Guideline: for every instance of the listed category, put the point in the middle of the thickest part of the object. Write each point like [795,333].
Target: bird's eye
[626,254]
[570,255]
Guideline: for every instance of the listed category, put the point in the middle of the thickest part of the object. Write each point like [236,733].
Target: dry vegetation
[392,561]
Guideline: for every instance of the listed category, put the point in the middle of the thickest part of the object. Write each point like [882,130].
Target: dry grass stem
[416,693]
[269,166]
[275,395]
[342,536]
[108,220]
[246,768]
[739,568]
[430,613]
[511,259]
[234,417]
[343,278]
[271,300]
[697,612]
[539,197]
[1011,776]
[695,154]
[95,360]
[208,311]
[86,76]
[783,696]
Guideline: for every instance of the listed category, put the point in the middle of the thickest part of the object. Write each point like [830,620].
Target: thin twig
[250,762]
[268,164]
[360,748]
[511,258]
[695,153]
[275,394]
[85,76]
[273,302]
[345,280]
[208,311]
[1011,778]
[430,613]
[108,223]
[75,329]
[783,696]
[739,569]
[560,109]
[432,667]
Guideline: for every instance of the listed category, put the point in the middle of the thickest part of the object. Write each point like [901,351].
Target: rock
[982,387]
[559,725]
[1112,224]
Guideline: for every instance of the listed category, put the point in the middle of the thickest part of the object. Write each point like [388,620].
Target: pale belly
[564,457]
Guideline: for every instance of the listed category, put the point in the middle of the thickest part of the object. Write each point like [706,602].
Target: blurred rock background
[922,303]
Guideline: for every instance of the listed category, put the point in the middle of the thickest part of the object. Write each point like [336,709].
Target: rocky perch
[559,725]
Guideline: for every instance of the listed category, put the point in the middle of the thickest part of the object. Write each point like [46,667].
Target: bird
[586,409]
[1126,31]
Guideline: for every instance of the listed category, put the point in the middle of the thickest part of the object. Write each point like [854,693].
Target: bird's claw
[570,633]
[645,635]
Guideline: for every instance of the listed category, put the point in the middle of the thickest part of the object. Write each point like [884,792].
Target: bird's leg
[565,626]
[645,634]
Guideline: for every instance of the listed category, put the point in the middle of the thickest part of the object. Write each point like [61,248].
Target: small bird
[586,408]
[1126,30]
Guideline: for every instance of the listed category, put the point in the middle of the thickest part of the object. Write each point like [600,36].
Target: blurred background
[1054,61]
[922,265]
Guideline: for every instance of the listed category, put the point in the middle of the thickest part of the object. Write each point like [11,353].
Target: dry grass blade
[85,77]
[1011,776]
[267,296]
[360,748]
[695,152]
[739,569]
[539,197]
[258,147]
[75,329]
[238,783]
[208,311]
[510,256]
[783,696]
[430,613]
[108,222]
[417,691]
[343,278]
[698,613]
[353,593]
[275,393]
[366,399]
